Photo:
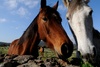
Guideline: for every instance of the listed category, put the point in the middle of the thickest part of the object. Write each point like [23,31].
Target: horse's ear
[87,1]
[66,3]
[43,3]
[56,5]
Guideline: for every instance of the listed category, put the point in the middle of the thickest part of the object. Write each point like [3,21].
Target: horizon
[16,16]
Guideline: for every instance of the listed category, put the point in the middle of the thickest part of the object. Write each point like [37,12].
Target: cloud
[20,7]
[61,7]
[11,4]
[2,20]
[22,11]
[16,28]
[33,4]
[29,3]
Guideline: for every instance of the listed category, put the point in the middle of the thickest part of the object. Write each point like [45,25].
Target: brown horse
[47,27]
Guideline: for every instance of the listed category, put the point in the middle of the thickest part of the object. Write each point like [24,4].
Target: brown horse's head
[51,31]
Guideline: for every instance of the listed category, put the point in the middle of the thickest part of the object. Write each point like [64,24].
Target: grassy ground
[48,53]
[3,50]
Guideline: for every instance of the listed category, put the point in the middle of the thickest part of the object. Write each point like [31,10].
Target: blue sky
[16,15]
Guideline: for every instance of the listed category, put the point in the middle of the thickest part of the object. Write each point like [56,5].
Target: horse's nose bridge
[62,35]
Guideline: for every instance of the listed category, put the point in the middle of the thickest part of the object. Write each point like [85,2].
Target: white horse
[79,16]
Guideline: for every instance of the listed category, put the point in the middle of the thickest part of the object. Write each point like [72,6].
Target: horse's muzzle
[90,57]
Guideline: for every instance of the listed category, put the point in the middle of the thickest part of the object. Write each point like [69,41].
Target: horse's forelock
[51,12]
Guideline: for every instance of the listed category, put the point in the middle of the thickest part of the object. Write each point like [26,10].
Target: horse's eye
[67,18]
[90,13]
[45,19]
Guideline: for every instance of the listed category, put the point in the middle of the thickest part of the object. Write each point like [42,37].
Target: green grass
[86,64]
[48,53]
[3,50]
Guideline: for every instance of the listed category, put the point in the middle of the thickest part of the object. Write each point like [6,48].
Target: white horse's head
[79,16]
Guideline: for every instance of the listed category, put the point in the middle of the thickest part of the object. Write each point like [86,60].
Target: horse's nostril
[94,50]
[64,49]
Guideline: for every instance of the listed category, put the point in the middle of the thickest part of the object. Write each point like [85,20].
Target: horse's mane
[75,2]
[96,33]
[29,32]
[50,11]
[73,5]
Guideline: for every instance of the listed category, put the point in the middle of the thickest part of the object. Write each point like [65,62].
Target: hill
[4,44]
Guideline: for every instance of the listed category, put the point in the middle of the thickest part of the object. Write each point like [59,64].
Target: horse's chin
[89,58]
[86,57]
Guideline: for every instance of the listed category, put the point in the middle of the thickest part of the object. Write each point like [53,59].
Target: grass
[86,64]
[48,53]
[3,50]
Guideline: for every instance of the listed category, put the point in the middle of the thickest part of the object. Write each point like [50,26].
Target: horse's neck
[31,33]
[96,33]
[96,40]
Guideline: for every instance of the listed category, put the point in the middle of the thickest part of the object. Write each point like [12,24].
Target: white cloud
[22,11]
[11,4]
[33,4]
[2,20]
[61,7]
[29,3]
[17,28]
[20,7]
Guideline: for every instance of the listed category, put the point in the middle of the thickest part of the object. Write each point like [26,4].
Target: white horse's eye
[67,18]
[90,13]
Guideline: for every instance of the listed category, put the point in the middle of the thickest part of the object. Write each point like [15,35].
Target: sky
[16,16]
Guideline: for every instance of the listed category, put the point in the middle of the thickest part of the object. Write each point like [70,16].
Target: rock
[6,64]
[23,59]
[29,64]
[1,59]
[30,61]
[9,58]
